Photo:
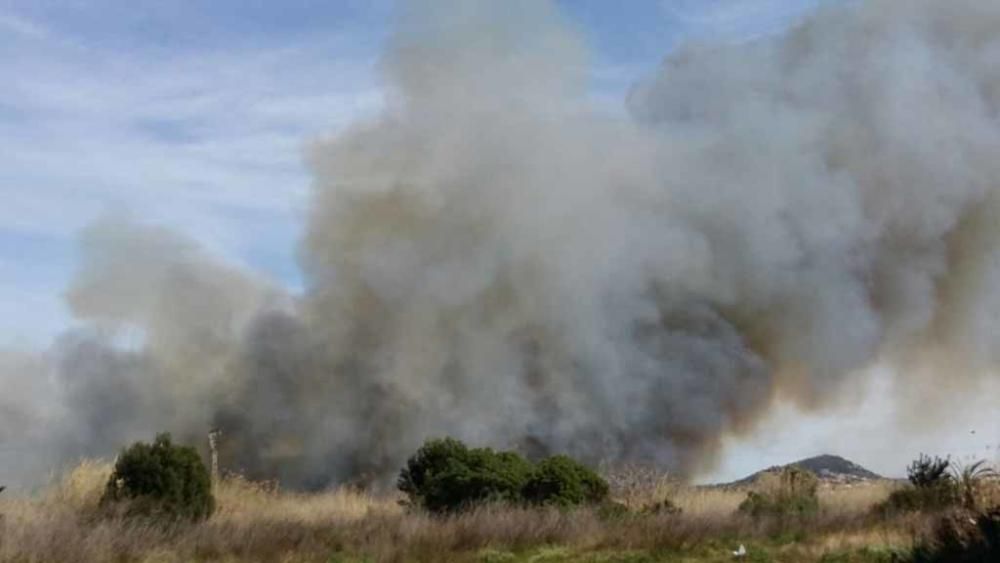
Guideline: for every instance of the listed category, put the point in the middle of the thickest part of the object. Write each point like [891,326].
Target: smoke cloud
[491,259]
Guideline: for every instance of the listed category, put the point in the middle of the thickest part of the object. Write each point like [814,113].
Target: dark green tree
[161,479]
[563,481]
[445,475]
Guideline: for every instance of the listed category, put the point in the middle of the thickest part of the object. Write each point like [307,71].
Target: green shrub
[445,475]
[920,499]
[563,481]
[161,479]
[931,488]
[788,492]
[432,459]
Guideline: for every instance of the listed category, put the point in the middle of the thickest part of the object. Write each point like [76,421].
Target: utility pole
[213,447]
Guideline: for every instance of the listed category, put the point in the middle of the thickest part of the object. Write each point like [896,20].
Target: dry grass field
[258,522]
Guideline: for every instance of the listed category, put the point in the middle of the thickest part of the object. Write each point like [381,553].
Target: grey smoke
[491,260]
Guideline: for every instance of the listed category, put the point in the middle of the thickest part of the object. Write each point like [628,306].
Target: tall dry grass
[259,522]
[239,500]
[82,486]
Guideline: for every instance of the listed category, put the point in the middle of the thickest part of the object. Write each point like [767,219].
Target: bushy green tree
[445,475]
[431,460]
[161,479]
[563,481]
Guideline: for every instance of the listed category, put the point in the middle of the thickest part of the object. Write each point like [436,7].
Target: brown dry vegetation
[258,522]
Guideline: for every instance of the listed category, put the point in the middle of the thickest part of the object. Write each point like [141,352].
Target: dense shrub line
[937,484]
[445,475]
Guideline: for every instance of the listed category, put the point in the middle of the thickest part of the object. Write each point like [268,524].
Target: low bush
[431,460]
[920,499]
[931,488]
[445,475]
[160,479]
[788,492]
[563,481]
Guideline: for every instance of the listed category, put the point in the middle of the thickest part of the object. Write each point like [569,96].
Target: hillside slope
[827,467]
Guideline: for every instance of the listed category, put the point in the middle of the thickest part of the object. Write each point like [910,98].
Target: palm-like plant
[969,477]
[927,471]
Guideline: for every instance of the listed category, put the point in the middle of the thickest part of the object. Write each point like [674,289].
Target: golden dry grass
[258,522]
[82,486]
[240,500]
[988,491]
[855,497]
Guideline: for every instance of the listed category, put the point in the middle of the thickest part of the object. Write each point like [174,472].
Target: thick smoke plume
[492,260]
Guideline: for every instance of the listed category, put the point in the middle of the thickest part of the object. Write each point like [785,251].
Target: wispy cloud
[207,142]
[221,129]
[22,26]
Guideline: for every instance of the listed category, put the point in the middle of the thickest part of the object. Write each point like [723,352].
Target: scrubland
[260,522]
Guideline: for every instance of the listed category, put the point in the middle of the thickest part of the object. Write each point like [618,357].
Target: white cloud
[222,129]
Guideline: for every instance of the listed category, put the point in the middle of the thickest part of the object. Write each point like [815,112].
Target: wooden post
[213,446]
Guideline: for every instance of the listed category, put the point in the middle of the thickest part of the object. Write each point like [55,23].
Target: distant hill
[830,468]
